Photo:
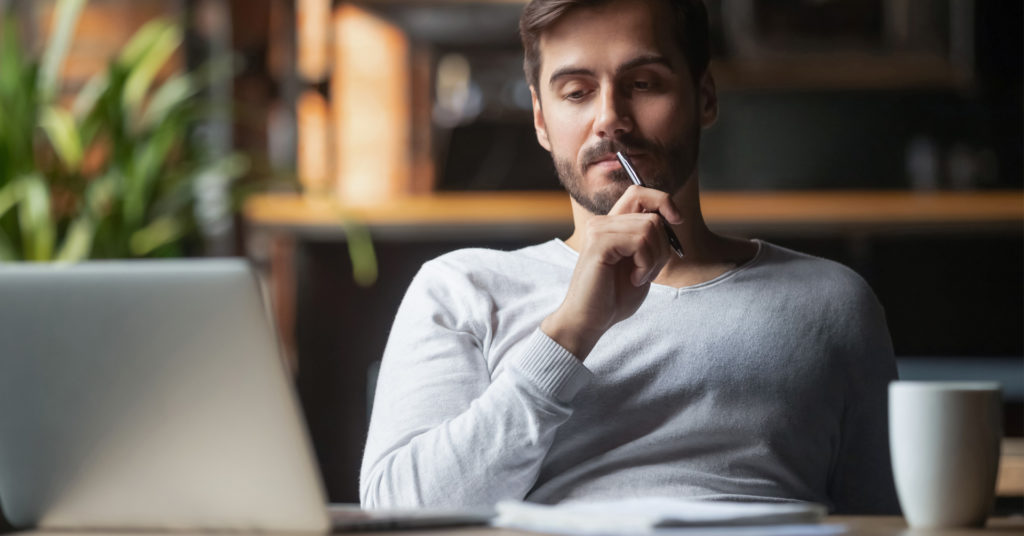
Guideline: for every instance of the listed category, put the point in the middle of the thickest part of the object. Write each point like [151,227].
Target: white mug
[944,439]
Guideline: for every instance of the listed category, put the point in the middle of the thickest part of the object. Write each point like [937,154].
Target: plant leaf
[152,155]
[140,42]
[65,17]
[158,233]
[10,194]
[17,105]
[90,94]
[11,64]
[150,160]
[37,228]
[165,40]
[6,251]
[78,241]
[360,250]
[60,127]
[167,97]
[99,195]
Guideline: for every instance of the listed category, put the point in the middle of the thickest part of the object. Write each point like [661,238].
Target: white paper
[664,515]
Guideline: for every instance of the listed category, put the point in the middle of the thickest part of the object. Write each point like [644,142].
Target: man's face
[613,79]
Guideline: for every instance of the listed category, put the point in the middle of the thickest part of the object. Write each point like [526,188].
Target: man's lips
[606,163]
[609,161]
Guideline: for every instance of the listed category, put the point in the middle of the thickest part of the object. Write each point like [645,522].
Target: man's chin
[594,189]
[600,203]
[609,176]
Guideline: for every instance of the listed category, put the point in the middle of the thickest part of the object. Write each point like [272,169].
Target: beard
[674,163]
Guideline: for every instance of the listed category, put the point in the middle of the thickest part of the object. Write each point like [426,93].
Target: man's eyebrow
[644,60]
[639,61]
[568,71]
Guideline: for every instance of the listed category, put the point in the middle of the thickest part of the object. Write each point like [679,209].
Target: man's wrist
[578,340]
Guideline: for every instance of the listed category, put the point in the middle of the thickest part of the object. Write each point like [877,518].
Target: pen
[672,240]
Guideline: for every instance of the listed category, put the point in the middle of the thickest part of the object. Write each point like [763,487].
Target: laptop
[152,395]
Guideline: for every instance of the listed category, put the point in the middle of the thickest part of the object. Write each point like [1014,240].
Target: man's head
[689,22]
[610,75]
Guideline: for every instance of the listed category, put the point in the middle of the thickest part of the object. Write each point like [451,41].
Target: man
[605,366]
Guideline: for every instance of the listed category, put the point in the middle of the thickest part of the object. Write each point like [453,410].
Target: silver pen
[672,239]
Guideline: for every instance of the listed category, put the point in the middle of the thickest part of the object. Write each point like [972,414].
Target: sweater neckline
[656,287]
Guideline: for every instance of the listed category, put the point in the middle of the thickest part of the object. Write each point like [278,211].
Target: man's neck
[707,255]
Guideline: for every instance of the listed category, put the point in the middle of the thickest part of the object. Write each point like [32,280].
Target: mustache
[625,144]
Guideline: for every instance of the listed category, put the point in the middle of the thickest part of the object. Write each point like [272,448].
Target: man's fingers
[640,199]
[644,261]
[638,237]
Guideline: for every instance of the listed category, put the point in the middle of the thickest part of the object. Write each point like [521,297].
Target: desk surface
[856,526]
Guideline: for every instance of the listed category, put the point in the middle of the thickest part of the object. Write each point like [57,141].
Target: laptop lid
[148,394]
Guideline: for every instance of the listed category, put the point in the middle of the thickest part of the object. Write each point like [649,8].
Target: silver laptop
[151,395]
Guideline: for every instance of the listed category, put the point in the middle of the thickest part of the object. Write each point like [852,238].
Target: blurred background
[339,145]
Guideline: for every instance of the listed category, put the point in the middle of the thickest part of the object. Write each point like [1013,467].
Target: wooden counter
[510,212]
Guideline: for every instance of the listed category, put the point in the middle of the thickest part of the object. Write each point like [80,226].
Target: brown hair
[689,24]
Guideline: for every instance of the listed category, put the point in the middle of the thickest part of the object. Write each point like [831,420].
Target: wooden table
[856,526]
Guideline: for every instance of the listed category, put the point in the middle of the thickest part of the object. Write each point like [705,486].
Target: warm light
[370,107]
[314,147]
[312,18]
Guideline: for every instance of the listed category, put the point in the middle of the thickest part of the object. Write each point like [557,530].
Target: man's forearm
[483,453]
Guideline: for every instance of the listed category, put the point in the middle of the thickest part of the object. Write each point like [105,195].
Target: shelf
[854,72]
[470,213]
[492,24]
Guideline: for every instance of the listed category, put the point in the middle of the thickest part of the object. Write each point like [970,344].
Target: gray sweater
[765,383]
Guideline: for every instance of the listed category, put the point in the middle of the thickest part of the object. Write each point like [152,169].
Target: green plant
[113,175]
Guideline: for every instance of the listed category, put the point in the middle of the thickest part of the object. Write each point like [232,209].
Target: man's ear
[708,100]
[538,121]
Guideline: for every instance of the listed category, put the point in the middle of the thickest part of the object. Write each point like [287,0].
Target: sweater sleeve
[446,430]
[861,481]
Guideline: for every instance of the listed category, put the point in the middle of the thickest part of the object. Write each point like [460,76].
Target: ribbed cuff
[552,368]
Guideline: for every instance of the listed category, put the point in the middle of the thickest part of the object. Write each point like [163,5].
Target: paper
[663,515]
[350,517]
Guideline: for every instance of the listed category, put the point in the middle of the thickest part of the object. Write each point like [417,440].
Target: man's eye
[575,95]
[642,85]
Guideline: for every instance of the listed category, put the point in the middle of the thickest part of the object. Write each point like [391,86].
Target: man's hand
[620,256]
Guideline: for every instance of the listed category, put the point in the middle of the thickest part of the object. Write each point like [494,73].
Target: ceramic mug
[944,439]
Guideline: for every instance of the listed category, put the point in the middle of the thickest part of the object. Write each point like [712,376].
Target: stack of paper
[653,514]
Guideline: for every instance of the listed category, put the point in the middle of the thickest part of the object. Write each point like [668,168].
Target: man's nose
[614,116]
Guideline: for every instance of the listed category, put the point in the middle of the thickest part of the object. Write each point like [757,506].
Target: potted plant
[113,174]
